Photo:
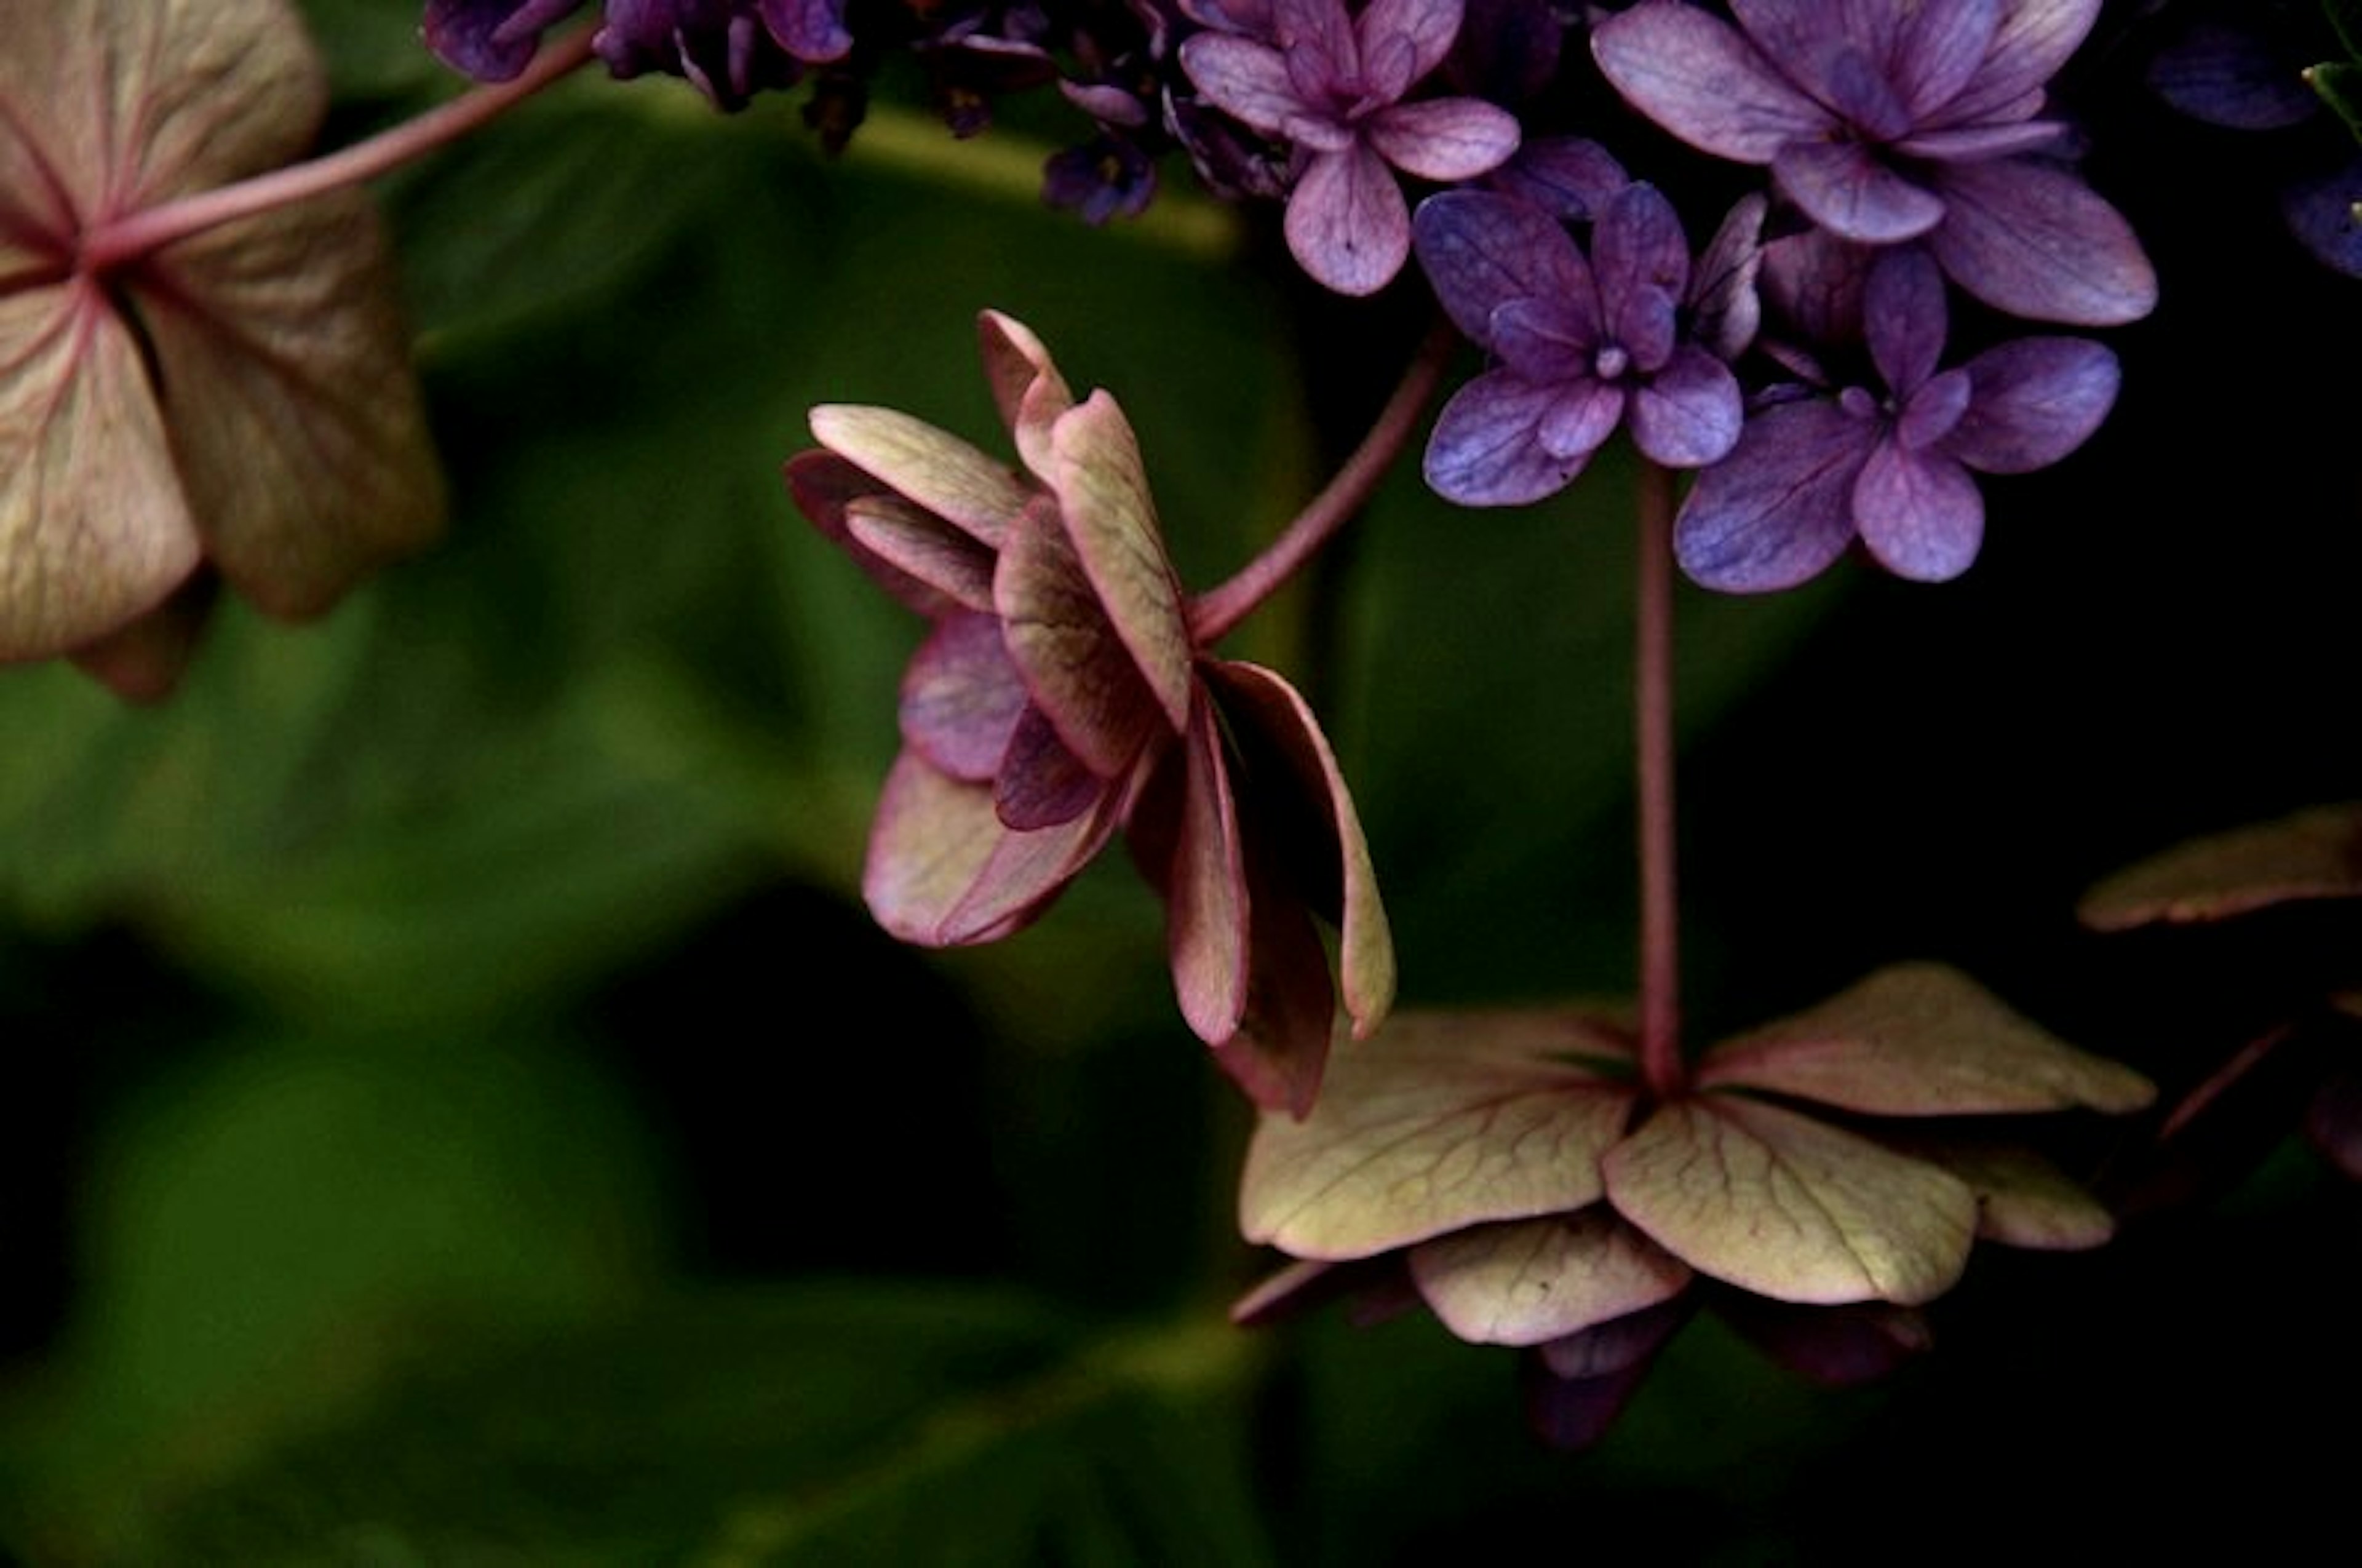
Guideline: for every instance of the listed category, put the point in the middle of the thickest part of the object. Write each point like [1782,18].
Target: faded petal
[1689,414]
[1041,784]
[1347,224]
[1481,250]
[1443,138]
[1438,1121]
[1919,512]
[943,871]
[2023,1201]
[826,489]
[2032,401]
[1702,80]
[1074,664]
[1206,899]
[961,698]
[2315,853]
[1790,1207]
[1849,190]
[2036,242]
[943,563]
[1026,386]
[1281,1049]
[931,468]
[1778,510]
[1486,447]
[1527,1281]
[1102,489]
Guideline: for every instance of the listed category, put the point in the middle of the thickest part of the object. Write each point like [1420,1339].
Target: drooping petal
[1026,386]
[1919,512]
[1040,784]
[2032,401]
[1725,300]
[1300,789]
[1839,1346]
[943,871]
[1527,1281]
[2034,38]
[1778,510]
[1481,250]
[1075,665]
[1206,900]
[1243,78]
[1281,1050]
[2035,241]
[1438,1121]
[1347,224]
[931,468]
[949,564]
[961,698]
[1689,414]
[1849,190]
[2023,1201]
[1110,517]
[1427,26]
[1922,1038]
[1577,1386]
[1487,447]
[1791,1208]
[825,487]
[1443,138]
[2315,853]
[1705,82]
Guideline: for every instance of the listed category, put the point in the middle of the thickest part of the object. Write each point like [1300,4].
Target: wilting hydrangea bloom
[730,50]
[1063,696]
[1895,469]
[1821,1177]
[1579,346]
[1333,84]
[1886,122]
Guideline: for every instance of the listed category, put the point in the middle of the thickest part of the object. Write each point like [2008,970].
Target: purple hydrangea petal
[1347,224]
[1543,340]
[490,40]
[2233,77]
[1778,510]
[2032,401]
[1481,250]
[1443,138]
[1580,419]
[2034,38]
[1641,260]
[2036,242]
[1428,26]
[1725,300]
[1816,281]
[811,30]
[1244,79]
[962,698]
[1485,449]
[1702,80]
[1933,411]
[1863,98]
[1318,133]
[1940,49]
[1318,46]
[1919,512]
[1569,177]
[1689,414]
[1849,190]
[2320,212]
[1903,317]
[1970,144]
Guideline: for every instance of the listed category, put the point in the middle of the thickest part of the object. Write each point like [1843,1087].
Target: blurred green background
[461,1113]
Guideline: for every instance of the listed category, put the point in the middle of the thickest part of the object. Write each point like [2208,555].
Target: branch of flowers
[1652,693]
[138,234]
[1215,613]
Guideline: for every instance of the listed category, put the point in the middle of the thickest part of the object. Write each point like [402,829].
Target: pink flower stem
[128,238]
[1660,1027]
[1217,611]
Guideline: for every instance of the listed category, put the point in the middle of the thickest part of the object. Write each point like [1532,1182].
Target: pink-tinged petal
[1428,26]
[1570,178]
[2034,38]
[143,660]
[943,872]
[1281,1050]
[952,567]
[1619,1344]
[1110,518]
[1300,790]
[1322,51]
[2032,401]
[1246,80]
[1482,251]
[1920,514]
[1689,414]
[1026,386]
[2034,241]
[1486,448]
[2023,1201]
[1527,1281]
[94,531]
[1580,419]
[1440,1122]
[1790,1207]
[824,487]
[1702,80]
[1206,901]
[933,469]
[2315,853]
[1971,143]
[1778,510]
[1838,1346]
[1847,188]
[1443,138]
[962,698]
[1938,50]
[1074,663]
[1904,317]
[1572,1409]
[1301,1285]
[1318,133]
[1922,1040]
[1347,225]
[1040,783]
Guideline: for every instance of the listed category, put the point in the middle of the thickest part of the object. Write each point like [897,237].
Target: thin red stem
[136,235]
[1661,1018]
[1216,612]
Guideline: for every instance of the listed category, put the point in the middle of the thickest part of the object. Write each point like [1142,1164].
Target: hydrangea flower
[1509,1168]
[1062,696]
[1886,122]
[1579,346]
[1895,469]
[730,50]
[1334,85]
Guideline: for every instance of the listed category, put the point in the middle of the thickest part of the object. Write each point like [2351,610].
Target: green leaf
[1922,1040]
[1790,1207]
[1439,1121]
[2313,854]
[1528,1281]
